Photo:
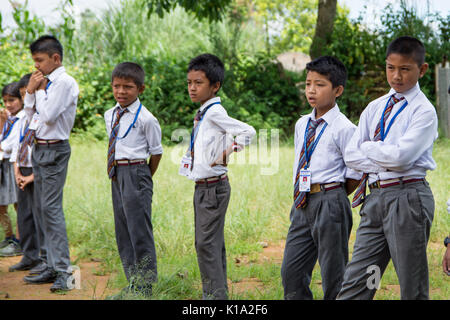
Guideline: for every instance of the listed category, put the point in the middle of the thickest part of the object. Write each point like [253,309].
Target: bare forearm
[154,163]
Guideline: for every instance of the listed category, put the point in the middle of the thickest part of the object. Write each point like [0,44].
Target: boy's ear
[56,57]
[423,68]
[141,89]
[339,90]
[216,86]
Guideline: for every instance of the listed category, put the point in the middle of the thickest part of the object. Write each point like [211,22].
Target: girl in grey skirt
[8,137]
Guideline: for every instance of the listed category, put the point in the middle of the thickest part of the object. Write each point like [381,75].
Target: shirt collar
[21,114]
[327,117]
[132,108]
[56,73]
[409,95]
[207,103]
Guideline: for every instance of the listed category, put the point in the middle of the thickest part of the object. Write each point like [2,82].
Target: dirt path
[12,286]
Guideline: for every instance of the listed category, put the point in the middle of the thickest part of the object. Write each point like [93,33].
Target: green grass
[258,211]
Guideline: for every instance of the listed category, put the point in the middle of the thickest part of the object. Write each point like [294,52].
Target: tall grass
[258,211]
[126,32]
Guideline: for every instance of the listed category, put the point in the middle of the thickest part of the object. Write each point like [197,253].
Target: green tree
[289,25]
[324,27]
[213,10]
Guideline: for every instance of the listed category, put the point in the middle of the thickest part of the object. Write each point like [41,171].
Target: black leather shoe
[64,282]
[22,266]
[39,268]
[48,276]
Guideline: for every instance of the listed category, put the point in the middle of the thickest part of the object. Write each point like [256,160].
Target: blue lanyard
[48,85]
[6,135]
[131,125]
[197,127]
[316,141]
[382,133]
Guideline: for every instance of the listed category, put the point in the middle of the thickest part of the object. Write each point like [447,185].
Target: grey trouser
[132,192]
[395,223]
[319,231]
[210,206]
[50,170]
[31,235]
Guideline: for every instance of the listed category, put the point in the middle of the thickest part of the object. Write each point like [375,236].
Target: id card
[185,166]
[34,122]
[305,180]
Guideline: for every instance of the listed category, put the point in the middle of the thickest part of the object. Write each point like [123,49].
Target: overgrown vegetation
[257,90]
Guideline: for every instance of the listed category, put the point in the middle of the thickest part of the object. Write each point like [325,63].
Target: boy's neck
[124,107]
[56,67]
[322,111]
[211,97]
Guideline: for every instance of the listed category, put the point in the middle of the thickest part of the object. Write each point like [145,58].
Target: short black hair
[129,70]
[330,67]
[23,82]
[47,44]
[211,65]
[12,89]
[408,46]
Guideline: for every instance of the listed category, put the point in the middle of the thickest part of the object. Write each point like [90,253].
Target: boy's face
[12,104]
[126,91]
[403,72]
[46,63]
[199,87]
[320,92]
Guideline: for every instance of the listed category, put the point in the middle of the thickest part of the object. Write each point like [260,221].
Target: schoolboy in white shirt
[135,135]
[215,135]
[55,95]
[393,147]
[321,216]
[32,236]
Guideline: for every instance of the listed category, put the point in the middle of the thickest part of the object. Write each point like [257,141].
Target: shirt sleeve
[50,104]
[406,150]
[342,140]
[242,132]
[354,157]
[28,104]
[153,135]
[8,144]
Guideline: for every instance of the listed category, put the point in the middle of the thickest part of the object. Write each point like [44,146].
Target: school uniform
[321,225]
[137,137]
[393,145]
[51,126]
[215,132]
[8,136]
[31,233]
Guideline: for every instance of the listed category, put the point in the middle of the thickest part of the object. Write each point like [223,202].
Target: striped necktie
[7,127]
[112,142]
[25,143]
[300,197]
[360,193]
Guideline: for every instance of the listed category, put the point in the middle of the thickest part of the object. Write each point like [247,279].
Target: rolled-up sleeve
[153,136]
[242,132]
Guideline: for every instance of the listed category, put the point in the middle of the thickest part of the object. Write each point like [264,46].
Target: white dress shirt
[144,137]
[21,126]
[327,161]
[216,133]
[9,143]
[407,148]
[56,106]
